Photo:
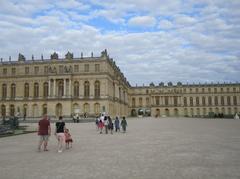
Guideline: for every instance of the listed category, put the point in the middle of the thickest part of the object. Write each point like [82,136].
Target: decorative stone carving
[104,53]
[170,84]
[42,57]
[21,57]
[10,58]
[161,84]
[81,55]
[92,54]
[69,56]
[32,57]
[54,56]
[179,83]
[151,84]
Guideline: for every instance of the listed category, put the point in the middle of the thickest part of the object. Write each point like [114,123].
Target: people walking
[117,124]
[59,132]
[44,131]
[124,124]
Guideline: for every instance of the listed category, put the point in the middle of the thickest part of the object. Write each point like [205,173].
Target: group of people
[107,123]
[61,132]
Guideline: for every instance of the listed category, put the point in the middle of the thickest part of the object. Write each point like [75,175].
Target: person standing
[44,131]
[116,123]
[59,132]
[110,124]
[106,124]
[124,124]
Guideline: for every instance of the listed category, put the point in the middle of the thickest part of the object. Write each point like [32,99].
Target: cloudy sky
[156,41]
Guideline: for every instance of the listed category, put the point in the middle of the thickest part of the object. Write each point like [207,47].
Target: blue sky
[150,40]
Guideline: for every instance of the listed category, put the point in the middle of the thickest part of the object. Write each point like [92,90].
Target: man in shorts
[44,131]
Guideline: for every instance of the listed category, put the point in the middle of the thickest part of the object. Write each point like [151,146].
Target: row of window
[60,89]
[47,69]
[195,90]
[35,109]
[210,101]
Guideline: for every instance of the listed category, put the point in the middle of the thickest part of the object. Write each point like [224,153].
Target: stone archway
[133,112]
[58,110]
[157,113]
[167,113]
[176,112]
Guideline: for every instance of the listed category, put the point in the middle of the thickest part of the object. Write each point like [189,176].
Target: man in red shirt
[44,131]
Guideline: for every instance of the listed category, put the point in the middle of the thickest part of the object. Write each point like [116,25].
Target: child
[68,139]
[101,125]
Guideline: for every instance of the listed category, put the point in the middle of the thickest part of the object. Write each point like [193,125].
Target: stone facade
[63,87]
[195,100]
[91,85]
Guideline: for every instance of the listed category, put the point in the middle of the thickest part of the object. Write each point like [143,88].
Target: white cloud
[142,21]
[165,24]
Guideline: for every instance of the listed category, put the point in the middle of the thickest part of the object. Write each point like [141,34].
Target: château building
[92,85]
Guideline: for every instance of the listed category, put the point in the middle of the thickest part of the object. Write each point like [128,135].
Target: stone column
[49,87]
[70,87]
[64,88]
[54,87]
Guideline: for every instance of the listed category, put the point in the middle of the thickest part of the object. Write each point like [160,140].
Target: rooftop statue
[54,56]
[104,53]
[21,57]
[69,56]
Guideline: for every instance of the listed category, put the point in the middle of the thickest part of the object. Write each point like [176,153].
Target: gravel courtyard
[151,149]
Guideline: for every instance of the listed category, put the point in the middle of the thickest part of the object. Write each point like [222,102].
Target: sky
[188,41]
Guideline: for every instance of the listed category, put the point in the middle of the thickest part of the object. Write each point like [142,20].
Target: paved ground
[151,149]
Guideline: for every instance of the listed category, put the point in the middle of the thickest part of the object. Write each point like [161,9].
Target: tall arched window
[76,89]
[197,101]
[203,101]
[60,88]
[3,110]
[97,89]
[175,100]
[4,91]
[97,108]
[36,90]
[234,100]
[191,101]
[209,100]
[86,108]
[166,100]
[12,110]
[216,100]
[140,102]
[228,100]
[26,90]
[45,89]
[44,109]
[185,101]
[86,89]
[133,102]
[222,101]
[13,90]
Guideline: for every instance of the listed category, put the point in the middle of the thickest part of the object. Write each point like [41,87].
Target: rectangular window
[45,69]
[157,100]
[76,68]
[36,70]
[13,71]
[97,67]
[86,68]
[61,69]
[5,71]
[26,70]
